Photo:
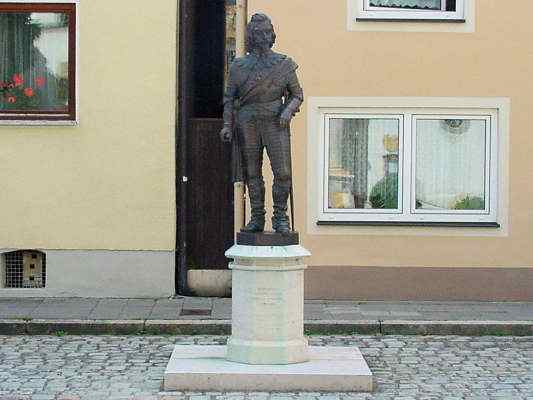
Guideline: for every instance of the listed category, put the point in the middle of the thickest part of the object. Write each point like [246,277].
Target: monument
[267,350]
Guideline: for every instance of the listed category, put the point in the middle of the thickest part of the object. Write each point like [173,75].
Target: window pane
[409,4]
[363,163]
[450,164]
[34,61]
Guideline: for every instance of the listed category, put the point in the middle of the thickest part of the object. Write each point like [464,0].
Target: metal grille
[25,269]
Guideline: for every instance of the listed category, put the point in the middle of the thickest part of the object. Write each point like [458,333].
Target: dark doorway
[204,188]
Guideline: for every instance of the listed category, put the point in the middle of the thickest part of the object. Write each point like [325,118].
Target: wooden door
[204,187]
[210,196]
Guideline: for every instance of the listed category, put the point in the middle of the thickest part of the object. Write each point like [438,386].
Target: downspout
[238,189]
[182,284]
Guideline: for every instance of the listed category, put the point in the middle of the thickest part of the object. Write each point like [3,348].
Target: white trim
[494,109]
[462,21]
[362,214]
[383,13]
[35,122]
[488,214]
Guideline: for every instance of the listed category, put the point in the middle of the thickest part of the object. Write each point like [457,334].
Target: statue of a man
[262,96]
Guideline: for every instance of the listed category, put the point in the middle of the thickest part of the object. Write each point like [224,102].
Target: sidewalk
[193,315]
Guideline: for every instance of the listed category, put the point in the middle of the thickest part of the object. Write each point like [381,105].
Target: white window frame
[367,12]
[364,214]
[44,121]
[409,214]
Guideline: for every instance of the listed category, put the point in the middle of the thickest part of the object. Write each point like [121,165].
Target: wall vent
[24,269]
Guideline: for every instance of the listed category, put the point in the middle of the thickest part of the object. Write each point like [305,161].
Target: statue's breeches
[258,133]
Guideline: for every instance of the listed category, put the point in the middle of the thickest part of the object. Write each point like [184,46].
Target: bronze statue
[262,96]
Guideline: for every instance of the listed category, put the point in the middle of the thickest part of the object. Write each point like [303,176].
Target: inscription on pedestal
[268,296]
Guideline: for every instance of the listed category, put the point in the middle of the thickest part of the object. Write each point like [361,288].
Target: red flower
[11,99]
[40,81]
[3,85]
[28,92]
[18,80]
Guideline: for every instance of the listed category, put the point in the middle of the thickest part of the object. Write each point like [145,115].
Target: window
[409,165]
[37,61]
[439,10]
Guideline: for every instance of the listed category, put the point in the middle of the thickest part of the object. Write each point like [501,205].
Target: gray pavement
[131,367]
[194,315]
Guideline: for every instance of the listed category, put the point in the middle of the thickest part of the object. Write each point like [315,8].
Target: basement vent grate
[25,269]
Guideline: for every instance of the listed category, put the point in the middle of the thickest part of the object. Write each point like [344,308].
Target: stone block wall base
[329,369]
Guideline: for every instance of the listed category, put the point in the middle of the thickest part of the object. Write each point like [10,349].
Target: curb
[459,328]
[223,327]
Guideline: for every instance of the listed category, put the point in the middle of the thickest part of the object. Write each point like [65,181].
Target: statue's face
[261,35]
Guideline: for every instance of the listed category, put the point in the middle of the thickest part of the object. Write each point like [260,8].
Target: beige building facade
[432,102]
[358,66]
[97,195]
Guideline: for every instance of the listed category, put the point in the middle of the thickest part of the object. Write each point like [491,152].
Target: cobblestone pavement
[131,367]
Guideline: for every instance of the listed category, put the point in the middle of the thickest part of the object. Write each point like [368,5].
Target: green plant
[384,194]
[470,203]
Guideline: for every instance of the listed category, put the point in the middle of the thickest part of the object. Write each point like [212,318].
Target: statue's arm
[294,99]
[230,95]
[296,93]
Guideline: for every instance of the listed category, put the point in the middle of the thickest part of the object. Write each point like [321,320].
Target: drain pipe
[239,188]
[183,38]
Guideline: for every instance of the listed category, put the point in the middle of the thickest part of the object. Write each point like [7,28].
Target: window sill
[412,224]
[439,20]
[14,122]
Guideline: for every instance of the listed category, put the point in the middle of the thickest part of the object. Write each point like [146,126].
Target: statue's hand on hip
[225,134]
[285,118]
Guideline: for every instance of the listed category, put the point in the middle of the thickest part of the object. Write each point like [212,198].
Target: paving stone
[64,309]
[18,308]
[126,367]
[221,309]
[166,309]
[108,309]
[137,309]
[197,303]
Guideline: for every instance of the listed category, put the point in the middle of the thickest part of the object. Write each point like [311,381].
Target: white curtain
[417,4]
[450,164]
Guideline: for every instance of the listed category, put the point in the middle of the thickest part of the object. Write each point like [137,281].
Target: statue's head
[260,33]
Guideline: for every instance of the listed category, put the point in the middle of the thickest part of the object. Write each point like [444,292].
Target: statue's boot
[256,191]
[280,221]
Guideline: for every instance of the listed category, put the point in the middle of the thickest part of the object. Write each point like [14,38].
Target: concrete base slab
[205,368]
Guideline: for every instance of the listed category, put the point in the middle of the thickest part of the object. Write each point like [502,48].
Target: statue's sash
[259,81]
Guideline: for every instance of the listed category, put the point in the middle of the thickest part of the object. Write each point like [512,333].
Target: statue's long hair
[258,19]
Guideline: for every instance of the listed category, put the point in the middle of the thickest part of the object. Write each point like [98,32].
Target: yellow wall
[494,61]
[109,182]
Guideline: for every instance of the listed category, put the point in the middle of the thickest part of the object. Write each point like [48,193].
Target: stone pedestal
[267,305]
[329,369]
[267,349]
